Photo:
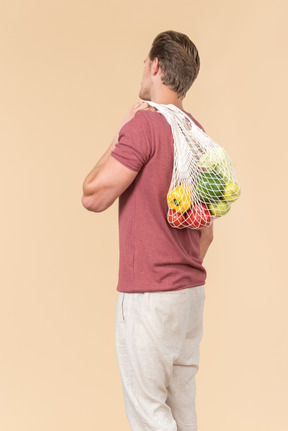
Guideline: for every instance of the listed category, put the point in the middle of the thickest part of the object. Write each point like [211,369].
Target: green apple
[231,191]
[219,208]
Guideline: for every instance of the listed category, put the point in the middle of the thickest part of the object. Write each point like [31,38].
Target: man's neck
[167,97]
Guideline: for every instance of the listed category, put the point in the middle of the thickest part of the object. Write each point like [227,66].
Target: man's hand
[205,241]
[135,108]
[109,178]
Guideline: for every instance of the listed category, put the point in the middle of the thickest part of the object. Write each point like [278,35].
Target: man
[159,319]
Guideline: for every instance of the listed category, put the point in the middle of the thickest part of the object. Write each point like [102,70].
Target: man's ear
[155,66]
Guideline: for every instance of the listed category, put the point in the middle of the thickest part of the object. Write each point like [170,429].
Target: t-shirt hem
[160,290]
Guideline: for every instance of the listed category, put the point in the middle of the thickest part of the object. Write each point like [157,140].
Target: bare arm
[109,178]
[205,241]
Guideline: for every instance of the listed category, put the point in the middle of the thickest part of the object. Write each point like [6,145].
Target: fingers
[137,107]
[143,105]
[139,104]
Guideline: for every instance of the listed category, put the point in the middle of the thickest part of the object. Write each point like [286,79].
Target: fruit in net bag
[176,219]
[180,198]
[198,216]
[211,158]
[203,183]
[216,159]
[209,187]
[219,208]
[231,191]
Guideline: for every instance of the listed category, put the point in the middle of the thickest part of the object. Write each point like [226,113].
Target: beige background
[70,70]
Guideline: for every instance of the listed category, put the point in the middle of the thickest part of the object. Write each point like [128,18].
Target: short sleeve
[134,146]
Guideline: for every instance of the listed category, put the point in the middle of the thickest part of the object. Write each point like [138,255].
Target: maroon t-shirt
[153,255]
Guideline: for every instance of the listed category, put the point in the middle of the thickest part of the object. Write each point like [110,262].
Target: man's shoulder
[156,119]
[147,115]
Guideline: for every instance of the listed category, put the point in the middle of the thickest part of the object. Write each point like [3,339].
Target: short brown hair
[178,58]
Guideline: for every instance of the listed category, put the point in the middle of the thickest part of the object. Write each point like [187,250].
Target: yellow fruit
[231,191]
[219,208]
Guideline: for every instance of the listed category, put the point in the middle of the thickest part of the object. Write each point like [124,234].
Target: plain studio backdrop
[70,70]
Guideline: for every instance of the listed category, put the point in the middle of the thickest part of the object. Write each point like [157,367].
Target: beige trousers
[157,344]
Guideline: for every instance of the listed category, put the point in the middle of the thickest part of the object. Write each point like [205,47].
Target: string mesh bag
[203,185]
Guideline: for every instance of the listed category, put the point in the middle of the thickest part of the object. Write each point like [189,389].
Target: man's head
[173,57]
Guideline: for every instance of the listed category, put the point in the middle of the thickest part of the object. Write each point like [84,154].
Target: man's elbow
[90,199]
[91,203]
[96,199]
